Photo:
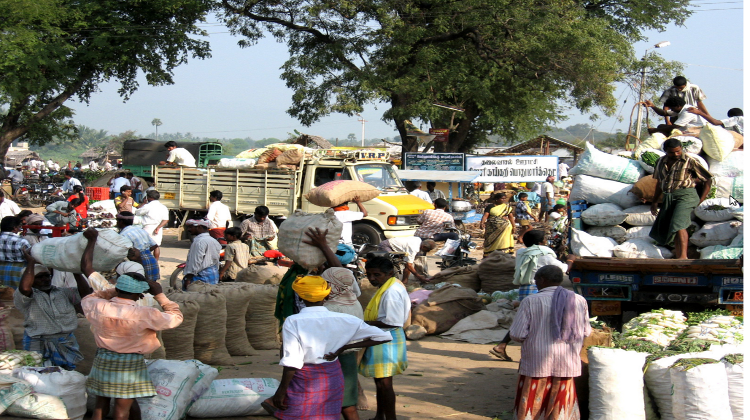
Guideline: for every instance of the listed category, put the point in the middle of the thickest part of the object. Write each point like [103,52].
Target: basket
[97,193]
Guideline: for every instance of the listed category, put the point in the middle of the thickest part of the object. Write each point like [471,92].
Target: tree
[511,66]
[55,50]
[156,123]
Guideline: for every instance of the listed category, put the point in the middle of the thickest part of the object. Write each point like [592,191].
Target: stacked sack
[273,156]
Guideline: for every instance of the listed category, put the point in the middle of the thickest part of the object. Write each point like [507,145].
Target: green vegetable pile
[690,363]
[649,158]
[734,359]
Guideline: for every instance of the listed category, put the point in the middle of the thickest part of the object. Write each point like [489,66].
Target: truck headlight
[398,221]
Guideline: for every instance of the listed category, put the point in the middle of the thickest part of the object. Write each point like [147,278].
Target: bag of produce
[293,234]
[639,216]
[70,387]
[65,253]
[616,384]
[653,141]
[606,214]
[716,209]
[618,233]
[335,193]
[648,158]
[720,233]
[732,166]
[718,143]
[734,365]
[645,189]
[721,252]
[599,191]
[594,162]
[638,232]
[659,380]
[234,398]
[641,248]
[729,187]
[660,326]
[585,245]
[690,144]
[700,390]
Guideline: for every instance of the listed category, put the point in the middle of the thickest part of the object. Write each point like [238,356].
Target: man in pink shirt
[123,332]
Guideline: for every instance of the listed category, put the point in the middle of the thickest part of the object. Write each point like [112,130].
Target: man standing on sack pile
[142,241]
[154,216]
[203,256]
[123,332]
[677,174]
[259,232]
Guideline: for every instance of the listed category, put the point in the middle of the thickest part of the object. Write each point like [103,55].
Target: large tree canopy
[54,50]
[512,66]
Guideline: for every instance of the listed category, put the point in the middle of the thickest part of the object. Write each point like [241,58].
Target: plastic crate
[97,193]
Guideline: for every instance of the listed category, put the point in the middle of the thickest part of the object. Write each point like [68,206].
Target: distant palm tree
[156,123]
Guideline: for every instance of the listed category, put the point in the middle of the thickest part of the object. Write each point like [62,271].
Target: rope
[637,141]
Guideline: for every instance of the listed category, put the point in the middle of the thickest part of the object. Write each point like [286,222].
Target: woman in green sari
[498,223]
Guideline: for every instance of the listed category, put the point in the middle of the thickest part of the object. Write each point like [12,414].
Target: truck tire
[363,233]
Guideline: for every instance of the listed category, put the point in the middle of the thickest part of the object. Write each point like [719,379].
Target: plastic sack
[234,398]
[65,253]
[251,153]
[599,191]
[739,240]
[718,143]
[172,380]
[700,392]
[720,252]
[641,248]
[736,388]
[730,187]
[206,375]
[69,386]
[639,216]
[653,141]
[638,232]
[594,162]
[716,234]
[618,233]
[732,166]
[738,214]
[717,209]
[585,245]
[690,144]
[659,380]
[648,158]
[12,389]
[292,234]
[38,406]
[235,163]
[616,384]
[449,248]
[335,193]
[606,214]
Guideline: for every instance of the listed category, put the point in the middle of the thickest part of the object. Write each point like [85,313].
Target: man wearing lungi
[142,241]
[312,385]
[123,332]
[203,256]
[389,310]
[677,175]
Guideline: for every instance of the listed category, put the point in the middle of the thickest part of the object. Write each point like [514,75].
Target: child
[125,201]
[523,215]
[557,217]
[236,255]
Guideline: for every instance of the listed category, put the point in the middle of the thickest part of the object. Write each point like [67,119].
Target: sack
[594,162]
[653,141]
[639,216]
[252,153]
[599,191]
[291,157]
[728,187]
[690,144]
[585,245]
[449,248]
[720,252]
[292,233]
[699,159]
[70,387]
[735,382]
[261,326]
[234,398]
[269,156]
[11,392]
[716,234]
[659,381]
[206,375]
[209,342]
[606,214]
[38,406]
[467,277]
[717,209]
[335,193]
[732,166]
[6,334]
[616,384]
[496,272]
[618,233]
[641,248]
[648,158]
[261,274]
[172,380]
[600,338]
[228,163]
[445,307]
[65,253]
[739,139]
[718,143]
[237,298]
[176,339]
[638,232]
[645,189]
[700,392]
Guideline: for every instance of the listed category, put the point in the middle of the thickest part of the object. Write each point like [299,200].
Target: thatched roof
[313,142]
[543,145]
[15,157]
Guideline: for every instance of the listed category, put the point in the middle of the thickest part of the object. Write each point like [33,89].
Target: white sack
[206,375]
[736,387]
[618,233]
[659,380]
[690,144]
[639,232]
[585,245]
[700,393]
[616,384]
[38,406]
[234,398]
[721,252]
[730,187]
[599,191]
[706,210]
[292,233]
[594,162]
[69,386]
[606,214]
[716,234]
[641,248]
[234,163]
[732,166]
[65,253]
[173,380]
[639,216]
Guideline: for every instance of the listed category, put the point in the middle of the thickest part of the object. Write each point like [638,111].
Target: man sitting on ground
[412,246]
[432,223]
[259,232]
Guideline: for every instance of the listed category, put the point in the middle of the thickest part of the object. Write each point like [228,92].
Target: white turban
[130,267]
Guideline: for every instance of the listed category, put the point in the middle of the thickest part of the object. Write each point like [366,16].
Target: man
[548,196]
[154,216]
[178,156]
[50,164]
[107,166]
[218,216]
[677,175]
[56,167]
[142,241]
[690,93]
[93,166]
[562,169]
[119,369]
[12,248]
[432,223]
[417,192]
[49,314]
[550,326]
[16,177]
[137,185]
[70,182]
[685,121]
[259,232]
[389,309]
[346,217]
[735,121]
[312,385]
[203,256]
[433,193]
[35,235]
[61,213]
[116,183]
[411,246]
[7,207]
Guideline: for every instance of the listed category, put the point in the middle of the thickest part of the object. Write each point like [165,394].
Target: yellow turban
[311,288]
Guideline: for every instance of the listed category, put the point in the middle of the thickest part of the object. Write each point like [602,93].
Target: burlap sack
[269,165]
[261,274]
[465,276]
[269,156]
[597,338]
[209,343]
[445,307]
[496,272]
[645,189]
[739,139]
[261,325]
[86,345]
[177,341]
[237,297]
[293,235]
[341,192]
[290,157]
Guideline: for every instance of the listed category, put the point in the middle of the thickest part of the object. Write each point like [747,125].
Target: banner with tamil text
[533,168]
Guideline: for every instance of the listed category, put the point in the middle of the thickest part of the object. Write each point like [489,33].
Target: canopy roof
[542,145]
[437,176]
[15,157]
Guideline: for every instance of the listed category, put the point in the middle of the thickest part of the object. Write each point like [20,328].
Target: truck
[140,155]
[392,214]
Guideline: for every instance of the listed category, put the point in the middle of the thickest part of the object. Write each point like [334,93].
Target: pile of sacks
[620,189]
[273,156]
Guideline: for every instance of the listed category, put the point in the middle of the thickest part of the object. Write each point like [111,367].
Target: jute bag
[445,307]
[178,342]
[496,272]
[261,326]
[209,343]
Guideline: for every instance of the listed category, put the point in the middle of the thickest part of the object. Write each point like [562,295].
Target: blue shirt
[139,237]
[522,211]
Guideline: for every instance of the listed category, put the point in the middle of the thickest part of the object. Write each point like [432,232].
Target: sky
[238,92]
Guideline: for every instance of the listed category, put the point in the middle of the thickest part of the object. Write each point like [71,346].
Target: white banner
[533,168]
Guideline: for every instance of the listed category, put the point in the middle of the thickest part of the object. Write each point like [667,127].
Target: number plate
[169,196]
[736,310]
[605,307]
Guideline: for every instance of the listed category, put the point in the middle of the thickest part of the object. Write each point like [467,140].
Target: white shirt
[409,244]
[687,119]
[562,169]
[118,183]
[395,305]
[691,94]
[50,163]
[56,167]
[8,208]
[107,166]
[218,215]
[736,123]
[316,331]
[555,215]
[346,218]
[68,185]
[93,165]
[424,195]
[181,157]
[548,191]
[153,213]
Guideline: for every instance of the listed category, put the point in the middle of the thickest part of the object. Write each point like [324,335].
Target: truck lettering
[731,280]
[624,278]
[675,280]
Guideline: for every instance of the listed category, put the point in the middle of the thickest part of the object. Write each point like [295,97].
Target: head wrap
[343,207]
[130,267]
[342,286]
[198,222]
[311,288]
[34,218]
[131,285]
[39,269]
[345,254]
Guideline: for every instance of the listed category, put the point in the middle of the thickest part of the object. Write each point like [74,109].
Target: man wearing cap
[312,385]
[123,332]
[203,256]
[142,241]
[49,314]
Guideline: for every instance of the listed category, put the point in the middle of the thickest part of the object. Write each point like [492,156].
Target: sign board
[434,161]
[533,168]
[441,134]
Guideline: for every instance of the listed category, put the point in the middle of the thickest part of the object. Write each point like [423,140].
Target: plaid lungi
[315,393]
[56,349]
[526,290]
[385,360]
[150,265]
[11,272]
[208,275]
[119,375]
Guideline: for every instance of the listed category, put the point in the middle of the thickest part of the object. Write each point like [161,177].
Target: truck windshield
[381,176]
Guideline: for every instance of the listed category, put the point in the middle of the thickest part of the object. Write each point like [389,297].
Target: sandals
[500,356]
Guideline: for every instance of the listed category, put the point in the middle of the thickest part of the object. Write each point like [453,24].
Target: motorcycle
[37,195]
[455,253]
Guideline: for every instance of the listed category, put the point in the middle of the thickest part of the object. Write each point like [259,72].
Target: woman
[498,222]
